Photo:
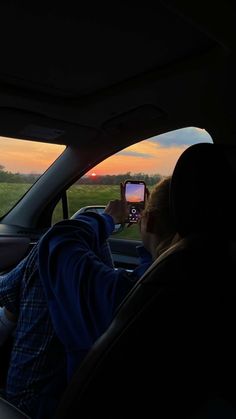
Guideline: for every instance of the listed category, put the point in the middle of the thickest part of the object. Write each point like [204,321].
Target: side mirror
[99,209]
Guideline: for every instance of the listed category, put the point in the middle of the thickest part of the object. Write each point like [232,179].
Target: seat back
[171,348]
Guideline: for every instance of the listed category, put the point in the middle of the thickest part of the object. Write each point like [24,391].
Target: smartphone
[135,193]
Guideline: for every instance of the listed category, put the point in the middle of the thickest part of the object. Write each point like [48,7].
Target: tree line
[9,177]
[117,179]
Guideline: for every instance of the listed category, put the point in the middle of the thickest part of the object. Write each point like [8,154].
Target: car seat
[170,350]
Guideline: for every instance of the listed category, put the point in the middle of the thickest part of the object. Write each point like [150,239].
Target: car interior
[96,79]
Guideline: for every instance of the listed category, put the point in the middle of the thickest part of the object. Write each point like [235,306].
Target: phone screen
[135,196]
[134,192]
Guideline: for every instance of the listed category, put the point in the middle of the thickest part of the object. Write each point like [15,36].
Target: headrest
[202,190]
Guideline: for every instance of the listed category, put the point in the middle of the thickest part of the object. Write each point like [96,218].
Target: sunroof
[79,51]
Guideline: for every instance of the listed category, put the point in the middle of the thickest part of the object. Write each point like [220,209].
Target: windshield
[21,164]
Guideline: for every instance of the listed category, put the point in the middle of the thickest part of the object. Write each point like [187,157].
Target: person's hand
[118,209]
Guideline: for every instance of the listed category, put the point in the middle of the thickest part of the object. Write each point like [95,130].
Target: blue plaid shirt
[36,375]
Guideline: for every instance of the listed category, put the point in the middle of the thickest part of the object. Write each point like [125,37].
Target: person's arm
[82,291]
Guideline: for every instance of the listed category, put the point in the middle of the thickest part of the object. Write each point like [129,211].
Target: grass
[78,196]
[10,193]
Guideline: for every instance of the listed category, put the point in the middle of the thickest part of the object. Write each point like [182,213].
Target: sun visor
[138,120]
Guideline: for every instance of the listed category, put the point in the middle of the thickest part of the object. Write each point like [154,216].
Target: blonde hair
[158,210]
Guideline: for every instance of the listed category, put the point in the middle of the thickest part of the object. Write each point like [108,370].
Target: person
[36,375]
[82,291]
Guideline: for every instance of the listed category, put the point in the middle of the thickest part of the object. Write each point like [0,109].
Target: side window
[21,164]
[148,160]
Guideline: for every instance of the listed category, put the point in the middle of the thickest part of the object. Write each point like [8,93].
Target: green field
[10,193]
[78,196]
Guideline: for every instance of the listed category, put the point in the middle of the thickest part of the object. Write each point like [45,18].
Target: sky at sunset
[155,155]
[19,156]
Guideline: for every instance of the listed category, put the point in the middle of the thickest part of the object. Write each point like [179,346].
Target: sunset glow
[27,156]
[154,155]
[161,160]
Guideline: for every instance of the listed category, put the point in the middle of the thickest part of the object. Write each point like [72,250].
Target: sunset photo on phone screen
[134,192]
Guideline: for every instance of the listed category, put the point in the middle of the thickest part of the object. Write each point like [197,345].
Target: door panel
[12,250]
[124,253]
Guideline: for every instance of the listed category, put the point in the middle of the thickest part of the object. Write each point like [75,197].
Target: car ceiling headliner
[122,69]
